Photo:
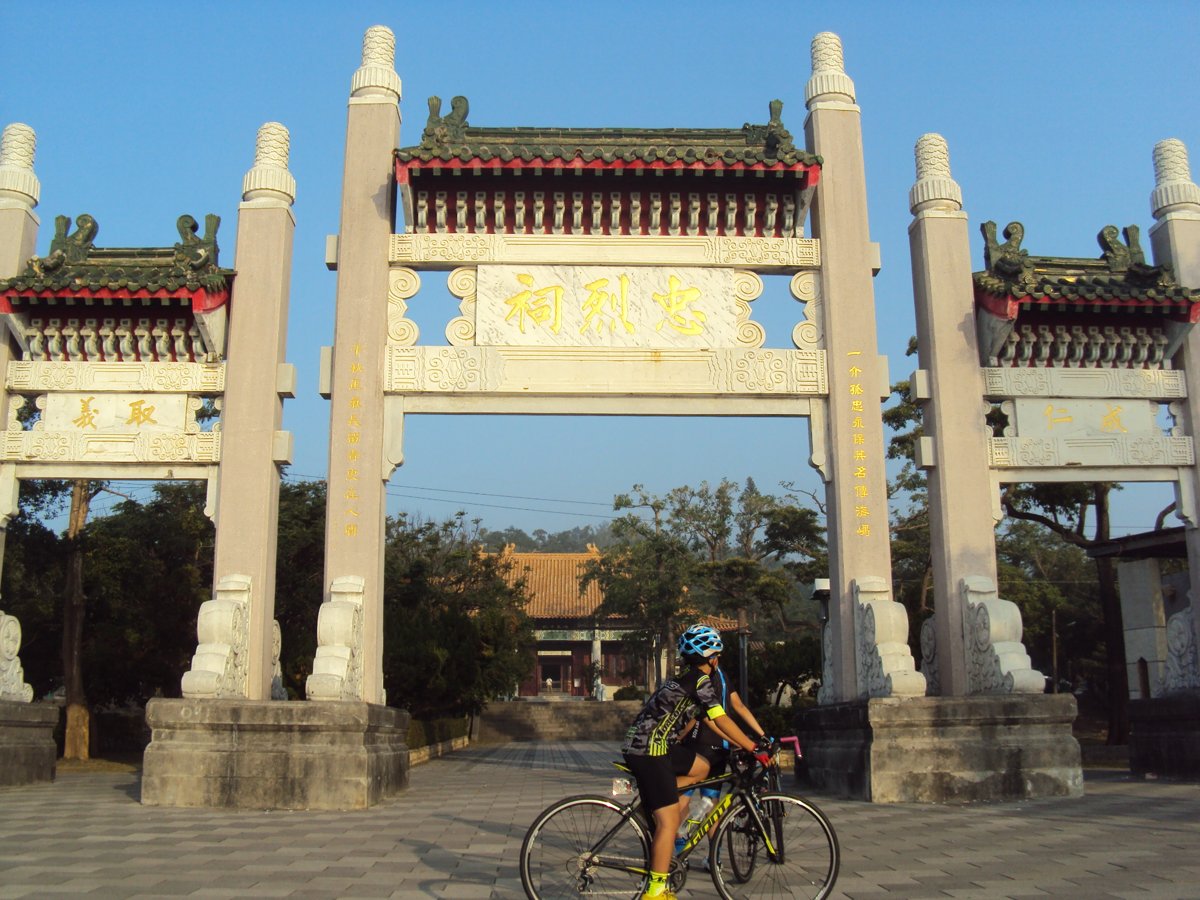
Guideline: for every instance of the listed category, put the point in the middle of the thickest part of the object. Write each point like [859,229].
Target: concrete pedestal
[1164,736]
[943,749]
[27,750]
[254,754]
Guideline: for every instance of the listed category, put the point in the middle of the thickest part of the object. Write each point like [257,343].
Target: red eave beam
[404,169]
[1005,306]
[202,300]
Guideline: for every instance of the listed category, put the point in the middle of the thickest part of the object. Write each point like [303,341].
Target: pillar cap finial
[18,144]
[1173,185]
[934,186]
[270,178]
[829,69]
[377,74]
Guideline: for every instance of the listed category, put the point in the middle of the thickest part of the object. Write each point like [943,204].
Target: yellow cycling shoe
[665,895]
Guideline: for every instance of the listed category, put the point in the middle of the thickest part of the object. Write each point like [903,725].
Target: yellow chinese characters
[140,414]
[858,439]
[1112,420]
[675,305]
[1056,416]
[87,415]
[611,308]
[539,305]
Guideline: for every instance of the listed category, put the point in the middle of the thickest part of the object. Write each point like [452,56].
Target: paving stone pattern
[456,833]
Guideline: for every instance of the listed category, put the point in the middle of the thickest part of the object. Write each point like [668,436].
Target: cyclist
[711,747]
[659,763]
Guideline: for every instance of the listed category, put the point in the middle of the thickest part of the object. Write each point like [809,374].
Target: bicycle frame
[742,789]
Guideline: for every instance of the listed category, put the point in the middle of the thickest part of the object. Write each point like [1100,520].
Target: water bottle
[696,812]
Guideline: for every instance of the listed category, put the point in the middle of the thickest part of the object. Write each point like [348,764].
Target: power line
[414,487]
[553,512]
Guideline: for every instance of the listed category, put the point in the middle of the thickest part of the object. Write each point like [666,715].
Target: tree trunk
[1114,629]
[78,729]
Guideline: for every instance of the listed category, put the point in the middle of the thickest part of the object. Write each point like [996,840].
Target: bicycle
[774,844]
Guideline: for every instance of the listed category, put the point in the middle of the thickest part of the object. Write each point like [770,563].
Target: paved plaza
[456,833]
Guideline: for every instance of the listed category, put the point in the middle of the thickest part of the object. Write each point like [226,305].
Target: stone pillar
[1175,238]
[354,531]
[19,192]
[857,505]
[1143,615]
[252,444]
[949,385]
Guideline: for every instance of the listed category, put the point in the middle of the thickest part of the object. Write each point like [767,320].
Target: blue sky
[145,111]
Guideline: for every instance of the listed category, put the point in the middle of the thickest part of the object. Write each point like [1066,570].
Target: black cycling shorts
[656,775]
[717,758]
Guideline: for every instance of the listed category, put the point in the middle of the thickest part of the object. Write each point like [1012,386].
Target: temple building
[569,633]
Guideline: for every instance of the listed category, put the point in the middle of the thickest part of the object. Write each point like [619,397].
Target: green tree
[644,577]
[1054,584]
[32,586]
[456,632]
[1064,509]
[299,578]
[148,569]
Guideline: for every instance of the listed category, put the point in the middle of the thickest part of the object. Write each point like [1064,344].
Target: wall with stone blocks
[581,720]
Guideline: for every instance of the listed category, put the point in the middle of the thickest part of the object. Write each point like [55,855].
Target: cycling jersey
[701,738]
[653,732]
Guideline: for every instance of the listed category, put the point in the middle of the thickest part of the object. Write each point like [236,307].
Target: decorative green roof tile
[75,264]
[450,137]
[1120,274]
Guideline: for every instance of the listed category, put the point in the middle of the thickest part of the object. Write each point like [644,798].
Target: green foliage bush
[777,721]
[423,732]
[629,692]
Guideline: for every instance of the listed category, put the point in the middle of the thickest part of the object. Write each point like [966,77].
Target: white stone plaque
[601,306]
[1060,417]
[102,413]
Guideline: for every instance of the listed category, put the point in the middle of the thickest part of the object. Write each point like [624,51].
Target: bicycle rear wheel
[581,846]
[802,861]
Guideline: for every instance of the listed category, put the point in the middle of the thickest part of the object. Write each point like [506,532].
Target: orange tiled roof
[552,581]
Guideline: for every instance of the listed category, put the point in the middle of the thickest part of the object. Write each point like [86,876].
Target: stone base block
[252,754]
[27,749]
[1164,736]
[943,749]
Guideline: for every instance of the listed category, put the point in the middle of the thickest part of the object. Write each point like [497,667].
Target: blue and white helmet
[700,640]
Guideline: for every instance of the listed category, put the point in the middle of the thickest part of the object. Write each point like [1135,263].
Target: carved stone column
[1175,238]
[354,531]
[257,379]
[19,193]
[857,490]
[950,388]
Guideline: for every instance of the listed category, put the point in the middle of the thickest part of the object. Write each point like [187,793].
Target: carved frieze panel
[1159,384]
[530,371]
[997,662]
[141,447]
[338,664]
[449,250]
[1074,417]
[147,377]
[99,413]
[883,661]
[460,332]
[1105,451]
[614,306]
[13,686]
[403,284]
[809,334]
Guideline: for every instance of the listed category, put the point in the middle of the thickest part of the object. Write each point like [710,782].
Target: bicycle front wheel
[800,860]
[582,846]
